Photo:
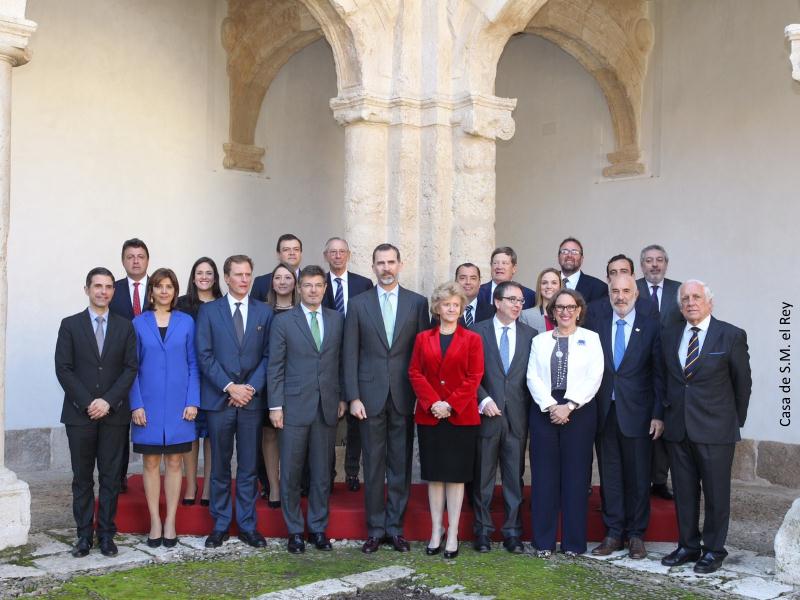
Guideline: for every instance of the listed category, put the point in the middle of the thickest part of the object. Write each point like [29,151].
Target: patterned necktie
[468,317]
[692,354]
[388,317]
[619,343]
[338,299]
[654,296]
[99,335]
[564,283]
[238,323]
[315,333]
[504,350]
[137,302]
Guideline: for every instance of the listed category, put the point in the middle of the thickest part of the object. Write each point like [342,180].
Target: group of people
[272,365]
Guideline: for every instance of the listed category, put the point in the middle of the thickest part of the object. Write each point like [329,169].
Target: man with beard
[570,259]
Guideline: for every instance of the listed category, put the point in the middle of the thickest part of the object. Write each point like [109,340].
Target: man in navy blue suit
[468,276]
[232,339]
[630,412]
[570,259]
[129,300]
[342,285]
[288,250]
[504,266]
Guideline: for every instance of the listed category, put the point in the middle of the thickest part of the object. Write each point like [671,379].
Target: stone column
[793,35]
[15,497]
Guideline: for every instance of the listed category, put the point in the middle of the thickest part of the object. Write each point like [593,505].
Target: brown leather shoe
[608,546]
[372,545]
[636,549]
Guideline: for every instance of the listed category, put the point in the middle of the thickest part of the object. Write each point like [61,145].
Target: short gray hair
[336,239]
[647,249]
[445,291]
[706,290]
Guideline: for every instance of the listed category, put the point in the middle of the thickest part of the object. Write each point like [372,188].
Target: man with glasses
[570,259]
[504,267]
[342,285]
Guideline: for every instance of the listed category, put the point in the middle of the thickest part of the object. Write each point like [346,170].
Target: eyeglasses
[567,251]
[566,307]
[515,300]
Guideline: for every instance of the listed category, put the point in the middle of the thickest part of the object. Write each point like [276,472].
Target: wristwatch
[572,405]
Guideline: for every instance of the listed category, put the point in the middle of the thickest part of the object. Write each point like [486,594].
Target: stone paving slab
[756,587]
[371,579]
[349,585]
[62,564]
[19,572]
[44,545]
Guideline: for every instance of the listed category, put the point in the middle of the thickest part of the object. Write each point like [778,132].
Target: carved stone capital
[486,116]
[243,157]
[793,35]
[14,36]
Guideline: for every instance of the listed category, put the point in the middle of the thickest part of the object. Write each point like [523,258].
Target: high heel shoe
[434,551]
[189,501]
[170,542]
[204,502]
[154,542]
[451,553]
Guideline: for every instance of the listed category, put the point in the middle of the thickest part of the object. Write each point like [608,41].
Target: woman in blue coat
[164,399]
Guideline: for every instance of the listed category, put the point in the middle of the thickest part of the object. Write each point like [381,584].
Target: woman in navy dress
[164,399]
[203,287]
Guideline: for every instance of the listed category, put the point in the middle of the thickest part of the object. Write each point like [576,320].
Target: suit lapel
[149,319]
[374,309]
[520,353]
[302,323]
[435,350]
[88,330]
[227,318]
[455,348]
[712,335]
[635,340]
[403,308]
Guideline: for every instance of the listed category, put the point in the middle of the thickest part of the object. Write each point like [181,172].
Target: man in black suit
[342,285]
[504,403]
[708,391]
[468,276]
[232,340]
[619,264]
[662,295]
[570,259]
[379,334]
[288,250]
[130,299]
[504,265]
[630,412]
[96,364]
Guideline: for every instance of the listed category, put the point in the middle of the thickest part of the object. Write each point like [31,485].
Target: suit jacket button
[99,368]
[442,382]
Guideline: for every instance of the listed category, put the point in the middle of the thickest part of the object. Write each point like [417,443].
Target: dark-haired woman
[164,399]
[203,287]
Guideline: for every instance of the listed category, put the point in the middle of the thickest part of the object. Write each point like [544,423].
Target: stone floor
[757,512]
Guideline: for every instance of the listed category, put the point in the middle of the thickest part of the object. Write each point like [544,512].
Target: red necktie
[137,303]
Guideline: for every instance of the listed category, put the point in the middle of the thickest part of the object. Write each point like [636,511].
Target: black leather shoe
[399,543]
[372,545]
[154,542]
[482,544]
[320,541]
[216,539]
[253,538]
[709,563]
[513,545]
[108,547]
[353,484]
[82,547]
[662,491]
[449,554]
[296,545]
[170,542]
[680,556]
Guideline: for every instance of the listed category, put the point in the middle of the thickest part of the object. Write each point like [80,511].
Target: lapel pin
[637,330]
[581,342]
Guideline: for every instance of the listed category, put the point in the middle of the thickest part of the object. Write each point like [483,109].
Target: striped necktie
[338,299]
[692,354]
[468,320]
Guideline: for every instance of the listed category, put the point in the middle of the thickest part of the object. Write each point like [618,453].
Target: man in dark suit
[288,250]
[379,334]
[342,286]
[96,364]
[130,299]
[570,259]
[630,412]
[664,300]
[504,266]
[504,403]
[618,264]
[232,339]
[305,404]
[708,391]
[468,276]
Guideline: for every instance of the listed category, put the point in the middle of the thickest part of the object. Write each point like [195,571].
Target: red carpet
[347,516]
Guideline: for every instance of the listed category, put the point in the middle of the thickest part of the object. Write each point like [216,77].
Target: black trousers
[352,451]
[708,465]
[624,464]
[102,444]
[659,465]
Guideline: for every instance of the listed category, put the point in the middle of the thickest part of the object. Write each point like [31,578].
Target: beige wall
[723,145]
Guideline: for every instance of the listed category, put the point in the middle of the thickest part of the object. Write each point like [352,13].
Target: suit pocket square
[716,353]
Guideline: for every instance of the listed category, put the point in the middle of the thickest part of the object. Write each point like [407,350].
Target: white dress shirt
[629,319]
[307,311]
[242,309]
[142,289]
[345,295]
[659,291]
[382,298]
[573,279]
[687,334]
[512,346]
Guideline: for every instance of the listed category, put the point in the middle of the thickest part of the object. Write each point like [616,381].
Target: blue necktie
[654,296]
[504,350]
[619,343]
[338,299]
[692,354]
[468,320]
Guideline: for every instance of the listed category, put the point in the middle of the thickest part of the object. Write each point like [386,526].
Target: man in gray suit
[379,334]
[504,402]
[305,404]
[663,294]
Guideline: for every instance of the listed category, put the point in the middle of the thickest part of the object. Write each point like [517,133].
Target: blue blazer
[485,298]
[168,380]
[222,360]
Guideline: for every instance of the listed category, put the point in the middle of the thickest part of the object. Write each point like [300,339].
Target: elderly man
[708,391]
[630,408]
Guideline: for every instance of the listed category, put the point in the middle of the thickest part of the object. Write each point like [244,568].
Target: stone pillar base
[15,510]
[787,547]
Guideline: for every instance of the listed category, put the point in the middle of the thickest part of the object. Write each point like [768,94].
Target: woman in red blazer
[445,371]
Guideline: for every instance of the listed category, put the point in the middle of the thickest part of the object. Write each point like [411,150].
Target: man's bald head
[622,292]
